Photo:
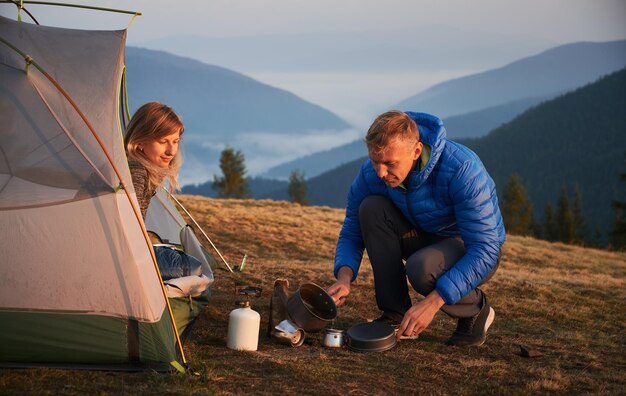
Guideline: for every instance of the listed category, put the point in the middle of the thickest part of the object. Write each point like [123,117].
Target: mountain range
[220,108]
[218,102]
[577,140]
[424,46]
[549,73]
[472,106]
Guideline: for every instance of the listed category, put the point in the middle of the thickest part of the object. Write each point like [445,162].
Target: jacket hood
[432,133]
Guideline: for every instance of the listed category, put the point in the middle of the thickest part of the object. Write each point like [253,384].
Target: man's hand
[340,289]
[419,316]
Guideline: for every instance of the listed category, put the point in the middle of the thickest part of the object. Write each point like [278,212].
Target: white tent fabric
[163,219]
[88,65]
[48,266]
[70,239]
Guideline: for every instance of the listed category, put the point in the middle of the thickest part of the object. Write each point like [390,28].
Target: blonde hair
[151,122]
[387,126]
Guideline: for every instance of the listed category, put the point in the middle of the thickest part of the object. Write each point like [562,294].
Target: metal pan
[311,308]
[371,337]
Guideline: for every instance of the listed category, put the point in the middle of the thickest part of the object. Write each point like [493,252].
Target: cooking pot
[311,308]
[333,338]
[371,337]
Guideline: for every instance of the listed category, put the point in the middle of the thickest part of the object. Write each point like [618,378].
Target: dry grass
[564,302]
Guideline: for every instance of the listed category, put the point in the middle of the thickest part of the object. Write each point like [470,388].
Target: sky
[560,20]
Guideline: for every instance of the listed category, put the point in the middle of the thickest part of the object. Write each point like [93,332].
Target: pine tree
[550,228]
[233,183]
[617,235]
[565,224]
[578,220]
[297,187]
[517,210]
[596,238]
[618,230]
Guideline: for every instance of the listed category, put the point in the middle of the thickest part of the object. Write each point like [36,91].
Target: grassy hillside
[563,303]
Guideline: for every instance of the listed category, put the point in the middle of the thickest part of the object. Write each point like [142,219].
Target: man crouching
[425,209]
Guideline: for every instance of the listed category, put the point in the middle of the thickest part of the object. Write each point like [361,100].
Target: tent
[79,283]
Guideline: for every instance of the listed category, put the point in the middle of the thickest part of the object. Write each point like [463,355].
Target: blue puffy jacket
[452,195]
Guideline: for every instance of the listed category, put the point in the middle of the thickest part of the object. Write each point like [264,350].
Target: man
[425,209]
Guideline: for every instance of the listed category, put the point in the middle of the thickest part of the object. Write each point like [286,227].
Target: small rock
[528,352]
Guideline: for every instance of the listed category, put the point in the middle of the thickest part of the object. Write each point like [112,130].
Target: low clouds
[262,150]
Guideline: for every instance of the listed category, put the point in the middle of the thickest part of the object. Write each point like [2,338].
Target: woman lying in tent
[152,145]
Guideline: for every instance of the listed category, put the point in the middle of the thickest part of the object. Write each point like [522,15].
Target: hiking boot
[395,324]
[473,331]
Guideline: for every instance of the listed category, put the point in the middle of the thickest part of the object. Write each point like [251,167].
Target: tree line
[574,141]
[234,184]
[563,221]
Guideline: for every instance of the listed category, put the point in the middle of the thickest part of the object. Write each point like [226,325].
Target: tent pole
[29,60]
[200,228]
[20,6]
[73,6]
[126,108]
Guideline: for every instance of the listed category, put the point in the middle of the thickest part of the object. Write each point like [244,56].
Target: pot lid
[371,337]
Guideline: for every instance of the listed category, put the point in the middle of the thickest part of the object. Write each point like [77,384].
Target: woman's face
[161,151]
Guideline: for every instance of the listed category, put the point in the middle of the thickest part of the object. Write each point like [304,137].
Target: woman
[152,146]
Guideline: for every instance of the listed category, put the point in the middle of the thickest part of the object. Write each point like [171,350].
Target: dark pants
[390,240]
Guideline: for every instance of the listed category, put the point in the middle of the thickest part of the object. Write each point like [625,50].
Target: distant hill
[395,49]
[576,139]
[470,125]
[479,123]
[217,102]
[549,73]
[221,107]
[260,188]
[579,138]
[482,102]
[320,162]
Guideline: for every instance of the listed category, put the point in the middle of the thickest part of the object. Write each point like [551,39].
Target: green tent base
[154,367]
[67,340]
[186,312]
